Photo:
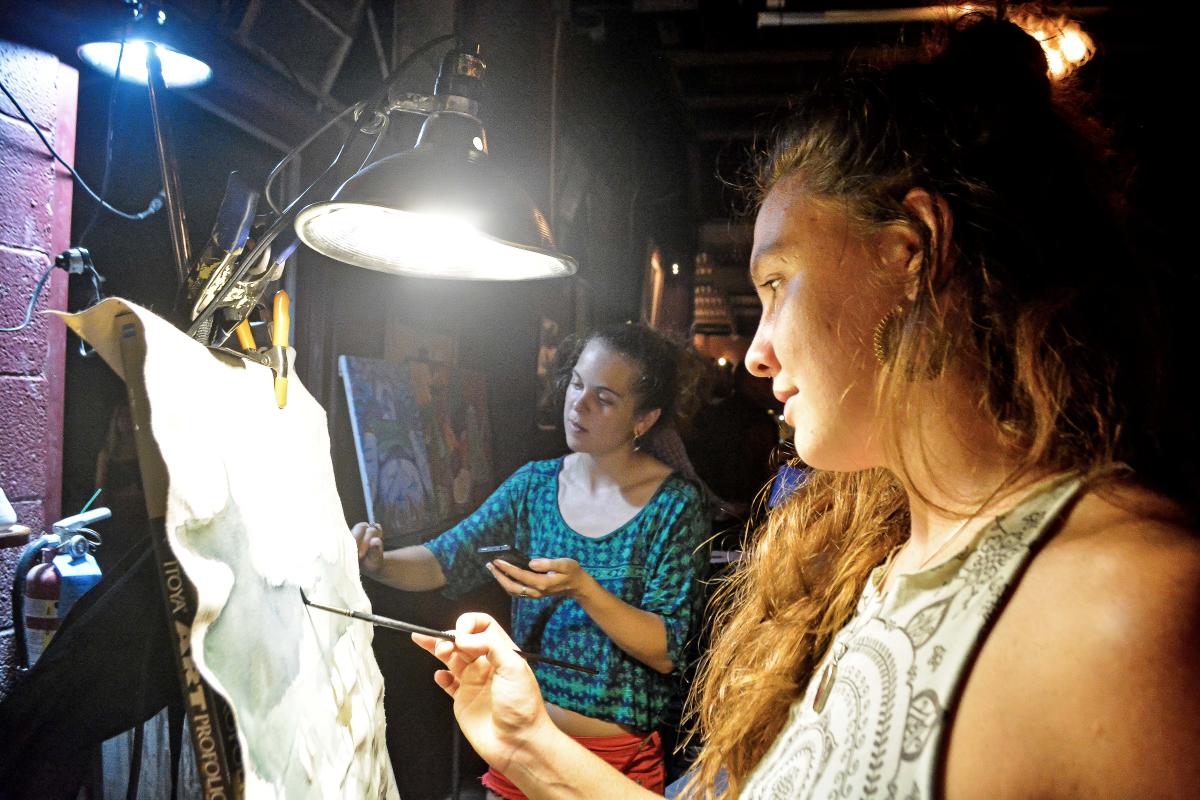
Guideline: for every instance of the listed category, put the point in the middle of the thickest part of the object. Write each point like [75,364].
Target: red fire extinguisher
[43,586]
[44,593]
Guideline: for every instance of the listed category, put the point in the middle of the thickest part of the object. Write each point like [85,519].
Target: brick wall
[35,225]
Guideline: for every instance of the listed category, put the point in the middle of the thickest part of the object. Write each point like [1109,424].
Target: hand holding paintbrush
[385,622]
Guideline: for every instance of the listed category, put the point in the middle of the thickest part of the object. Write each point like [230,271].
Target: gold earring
[637,441]
[883,341]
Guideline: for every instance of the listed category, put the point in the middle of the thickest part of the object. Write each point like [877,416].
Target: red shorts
[640,758]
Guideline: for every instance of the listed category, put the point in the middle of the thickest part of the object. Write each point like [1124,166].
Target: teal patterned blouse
[653,562]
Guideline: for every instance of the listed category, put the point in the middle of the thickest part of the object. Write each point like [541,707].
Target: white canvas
[253,517]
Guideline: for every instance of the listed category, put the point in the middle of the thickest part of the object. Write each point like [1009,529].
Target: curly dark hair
[663,374]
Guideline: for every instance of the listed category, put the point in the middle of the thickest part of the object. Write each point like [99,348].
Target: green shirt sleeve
[675,585]
[494,522]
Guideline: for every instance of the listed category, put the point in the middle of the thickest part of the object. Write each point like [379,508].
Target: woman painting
[615,537]
[985,589]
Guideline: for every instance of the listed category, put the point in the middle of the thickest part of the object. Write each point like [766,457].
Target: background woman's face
[601,407]
[821,302]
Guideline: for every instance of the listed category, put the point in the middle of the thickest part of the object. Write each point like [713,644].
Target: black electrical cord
[97,296]
[108,141]
[86,350]
[379,137]
[380,94]
[155,203]
[272,232]
[296,151]
[37,292]
[260,247]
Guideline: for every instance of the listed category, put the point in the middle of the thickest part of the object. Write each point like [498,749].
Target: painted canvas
[452,405]
[474,476]
[253,516]
[404,343]
[549,410]
[432,391]
[390,441]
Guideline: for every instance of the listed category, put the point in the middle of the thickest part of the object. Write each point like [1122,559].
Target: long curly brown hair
[1020,301]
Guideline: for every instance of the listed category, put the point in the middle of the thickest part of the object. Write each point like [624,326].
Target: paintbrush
[408,627]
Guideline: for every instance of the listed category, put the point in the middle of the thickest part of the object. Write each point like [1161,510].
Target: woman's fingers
[549,566]
[477,633]
[374,559]
[444,651]
[560,575]
[368,537]
[359,532]
[445,679]
[514,586]
[440,648]
[426,642]
[523,576]
[474,633]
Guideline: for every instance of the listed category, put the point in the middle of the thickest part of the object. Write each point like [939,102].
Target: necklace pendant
[825,687]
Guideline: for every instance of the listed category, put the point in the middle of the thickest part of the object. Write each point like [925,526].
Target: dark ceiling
[721,71]
[733,67]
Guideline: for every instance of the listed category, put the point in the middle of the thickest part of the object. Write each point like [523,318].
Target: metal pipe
[176,217]
[867,16]
[878,16]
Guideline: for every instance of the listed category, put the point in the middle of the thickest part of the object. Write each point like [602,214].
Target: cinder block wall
[35,225]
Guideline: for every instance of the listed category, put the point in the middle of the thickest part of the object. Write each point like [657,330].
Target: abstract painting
[393,460]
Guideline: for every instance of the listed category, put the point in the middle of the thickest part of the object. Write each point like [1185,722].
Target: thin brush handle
[407,627]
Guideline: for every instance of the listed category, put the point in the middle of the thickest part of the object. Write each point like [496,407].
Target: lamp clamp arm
[425,105]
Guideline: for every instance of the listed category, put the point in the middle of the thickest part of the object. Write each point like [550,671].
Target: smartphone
[505,552]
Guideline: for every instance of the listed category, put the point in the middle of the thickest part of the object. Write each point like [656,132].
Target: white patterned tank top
[895,672]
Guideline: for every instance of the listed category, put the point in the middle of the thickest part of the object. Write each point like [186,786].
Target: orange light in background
[730,349]
[652,287]
[1067,46]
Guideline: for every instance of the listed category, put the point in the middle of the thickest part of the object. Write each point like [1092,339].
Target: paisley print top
[901,662]
[655,562]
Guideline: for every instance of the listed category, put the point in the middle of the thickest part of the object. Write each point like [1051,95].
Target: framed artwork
[403,343]
[474,475]
[431,391]
[549,339]
[452,405]
[390,442]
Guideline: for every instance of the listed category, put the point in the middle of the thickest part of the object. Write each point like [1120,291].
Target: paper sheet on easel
[253,516]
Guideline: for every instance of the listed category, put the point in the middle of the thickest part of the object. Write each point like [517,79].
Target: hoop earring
[637,441]
[883,341]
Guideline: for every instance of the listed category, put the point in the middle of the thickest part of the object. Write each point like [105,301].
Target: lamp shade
[139,35]
[440,210]
[179,70]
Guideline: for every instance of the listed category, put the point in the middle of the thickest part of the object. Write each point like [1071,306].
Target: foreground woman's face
[814,275]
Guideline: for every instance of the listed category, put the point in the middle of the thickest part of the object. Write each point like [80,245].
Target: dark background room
[630,124]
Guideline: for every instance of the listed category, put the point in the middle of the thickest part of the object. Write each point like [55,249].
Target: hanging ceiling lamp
[147,32]
[441,209]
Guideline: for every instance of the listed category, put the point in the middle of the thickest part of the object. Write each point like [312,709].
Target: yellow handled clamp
[281,326]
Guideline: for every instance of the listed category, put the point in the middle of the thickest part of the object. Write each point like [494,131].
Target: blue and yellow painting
[390,441]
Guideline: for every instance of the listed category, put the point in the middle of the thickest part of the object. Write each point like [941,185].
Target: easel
[213,732]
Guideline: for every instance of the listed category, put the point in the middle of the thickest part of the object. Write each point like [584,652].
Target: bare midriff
[575,724]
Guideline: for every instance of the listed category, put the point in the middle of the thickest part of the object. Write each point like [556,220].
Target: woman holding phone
[614,536]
